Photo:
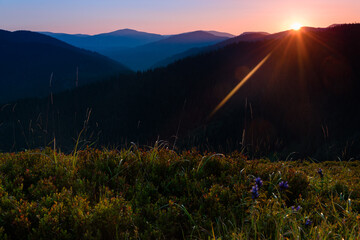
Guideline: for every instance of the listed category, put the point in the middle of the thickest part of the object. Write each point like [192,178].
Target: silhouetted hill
[144,57]
[249,37]
[221,34]
[304,98]
[335,25]
[28,60]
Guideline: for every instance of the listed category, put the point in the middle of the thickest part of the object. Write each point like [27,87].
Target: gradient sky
[173,16]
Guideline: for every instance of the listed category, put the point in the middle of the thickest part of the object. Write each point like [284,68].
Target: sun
[296,26]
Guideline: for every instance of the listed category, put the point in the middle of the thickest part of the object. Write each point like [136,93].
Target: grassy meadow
[157,193]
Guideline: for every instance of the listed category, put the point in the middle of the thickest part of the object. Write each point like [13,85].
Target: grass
[160,194]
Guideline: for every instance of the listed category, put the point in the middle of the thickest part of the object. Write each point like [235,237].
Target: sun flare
[296,26]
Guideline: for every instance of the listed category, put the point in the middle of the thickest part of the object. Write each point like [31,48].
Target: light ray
[303,59]
[311,35]
[288,40]
[240,84]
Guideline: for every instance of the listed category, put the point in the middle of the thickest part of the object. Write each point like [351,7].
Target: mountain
[244,37]
[334,25]
[141,50]
[221,34]
[145,56]
[133,33]
[250,36]
[33,64]
[303,98]
[104,43]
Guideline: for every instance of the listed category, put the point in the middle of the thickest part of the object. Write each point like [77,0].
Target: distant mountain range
[107,42]
[245,37]
[221,34]
[304,98]
[33,64]
[140,50]
[145,56]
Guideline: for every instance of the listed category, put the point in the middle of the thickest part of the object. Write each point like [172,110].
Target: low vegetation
[156,193]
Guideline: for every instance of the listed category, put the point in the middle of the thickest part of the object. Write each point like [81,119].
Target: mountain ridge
[29,59]
[128,46]
[145,56]
[246,36]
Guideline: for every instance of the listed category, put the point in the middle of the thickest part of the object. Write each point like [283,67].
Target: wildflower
[320,172]
[255,192]
[308,222]
[259,182]
[295,209]
[283,185]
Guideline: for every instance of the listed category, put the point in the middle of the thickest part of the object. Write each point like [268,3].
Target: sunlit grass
[158,193]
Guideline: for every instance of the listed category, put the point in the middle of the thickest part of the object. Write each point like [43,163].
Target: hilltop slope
[29,59]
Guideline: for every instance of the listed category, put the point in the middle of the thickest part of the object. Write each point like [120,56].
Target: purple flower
[308,222]
[259,182]
[255,192]
[320,172]
[295,209]
[283,185]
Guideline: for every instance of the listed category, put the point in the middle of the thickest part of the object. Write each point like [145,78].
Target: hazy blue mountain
[107,42]
[145,56]
[29,59]
[141,50]
[76,40]
[221,34]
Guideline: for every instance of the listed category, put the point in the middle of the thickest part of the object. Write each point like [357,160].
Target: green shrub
[160,194]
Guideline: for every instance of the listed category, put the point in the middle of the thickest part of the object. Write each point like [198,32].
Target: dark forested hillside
[245,37]
[32,65]
[303,98]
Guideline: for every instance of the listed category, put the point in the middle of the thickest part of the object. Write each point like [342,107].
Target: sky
[173,16]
